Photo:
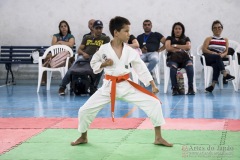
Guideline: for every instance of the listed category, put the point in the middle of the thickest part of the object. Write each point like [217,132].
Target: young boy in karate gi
[115,58]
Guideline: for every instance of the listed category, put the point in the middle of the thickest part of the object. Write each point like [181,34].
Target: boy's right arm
[154,87]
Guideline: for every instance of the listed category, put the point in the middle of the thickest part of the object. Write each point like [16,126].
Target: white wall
[33,22]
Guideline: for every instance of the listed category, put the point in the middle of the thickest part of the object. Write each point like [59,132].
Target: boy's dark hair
[117,23]
[216,22]
[69,31]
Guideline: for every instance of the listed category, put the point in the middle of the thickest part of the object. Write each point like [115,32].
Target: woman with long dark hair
[178,45]
[64,36]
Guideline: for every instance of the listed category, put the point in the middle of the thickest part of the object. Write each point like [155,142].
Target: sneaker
[61,91]
[209,89]
[175,91]
[228,77]
[190,91]
[224,81]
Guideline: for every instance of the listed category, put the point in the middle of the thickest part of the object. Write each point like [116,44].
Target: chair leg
[157,75]
[185,79]
[238,81]
[194,84]
[220,81]
[201,80]
[234,82]
[40,73]
[159,70]
[49,78]
[209,72]
[166,78]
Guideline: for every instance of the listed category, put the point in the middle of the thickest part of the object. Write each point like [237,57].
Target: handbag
[179,57]
[57,60]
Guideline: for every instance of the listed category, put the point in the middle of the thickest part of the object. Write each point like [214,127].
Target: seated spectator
[133,42]
[64,37]
[178,46]
[214,49]
[90,44]
[90,26]
[150,45]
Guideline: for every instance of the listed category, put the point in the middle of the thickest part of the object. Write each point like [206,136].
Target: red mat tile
[67,123]
[233,125]
[4,147]
[28,122]
[187,124]
[103,123]
[120,123]
[12,137]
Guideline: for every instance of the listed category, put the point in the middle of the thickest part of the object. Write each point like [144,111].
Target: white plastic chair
[236,46]
[156,71]
[208,70]
[167,74]
[55,49]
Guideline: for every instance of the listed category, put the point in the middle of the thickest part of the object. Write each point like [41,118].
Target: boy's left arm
[141,69]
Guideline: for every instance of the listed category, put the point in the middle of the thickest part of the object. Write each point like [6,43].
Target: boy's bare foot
[161,141]
[79,141]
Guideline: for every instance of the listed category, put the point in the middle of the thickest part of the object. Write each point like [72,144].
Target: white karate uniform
[124,90]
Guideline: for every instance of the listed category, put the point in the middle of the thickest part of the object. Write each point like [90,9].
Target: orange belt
[119,79]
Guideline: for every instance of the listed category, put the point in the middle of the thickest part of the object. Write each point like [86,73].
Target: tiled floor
[41,125]
[22,100]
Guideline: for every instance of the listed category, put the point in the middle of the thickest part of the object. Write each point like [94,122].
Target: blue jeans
[173,72]
[151,58]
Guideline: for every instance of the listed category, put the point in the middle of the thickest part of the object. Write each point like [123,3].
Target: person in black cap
[98,23]
[90,26]
[90,44]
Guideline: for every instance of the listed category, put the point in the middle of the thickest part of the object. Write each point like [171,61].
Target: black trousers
[216,62]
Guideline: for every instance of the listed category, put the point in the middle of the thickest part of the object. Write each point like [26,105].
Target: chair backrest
[233,44]
[55,49]
[199,50]
[236,46]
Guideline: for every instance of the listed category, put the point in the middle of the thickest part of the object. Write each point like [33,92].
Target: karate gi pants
[126,92]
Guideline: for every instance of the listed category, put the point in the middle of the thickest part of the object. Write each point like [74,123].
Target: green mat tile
[125,145]
[68,135]
[177,137]
[59,151]
[144,152]
[232,138]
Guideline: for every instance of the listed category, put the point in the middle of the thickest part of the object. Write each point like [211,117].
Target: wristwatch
[174,45]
